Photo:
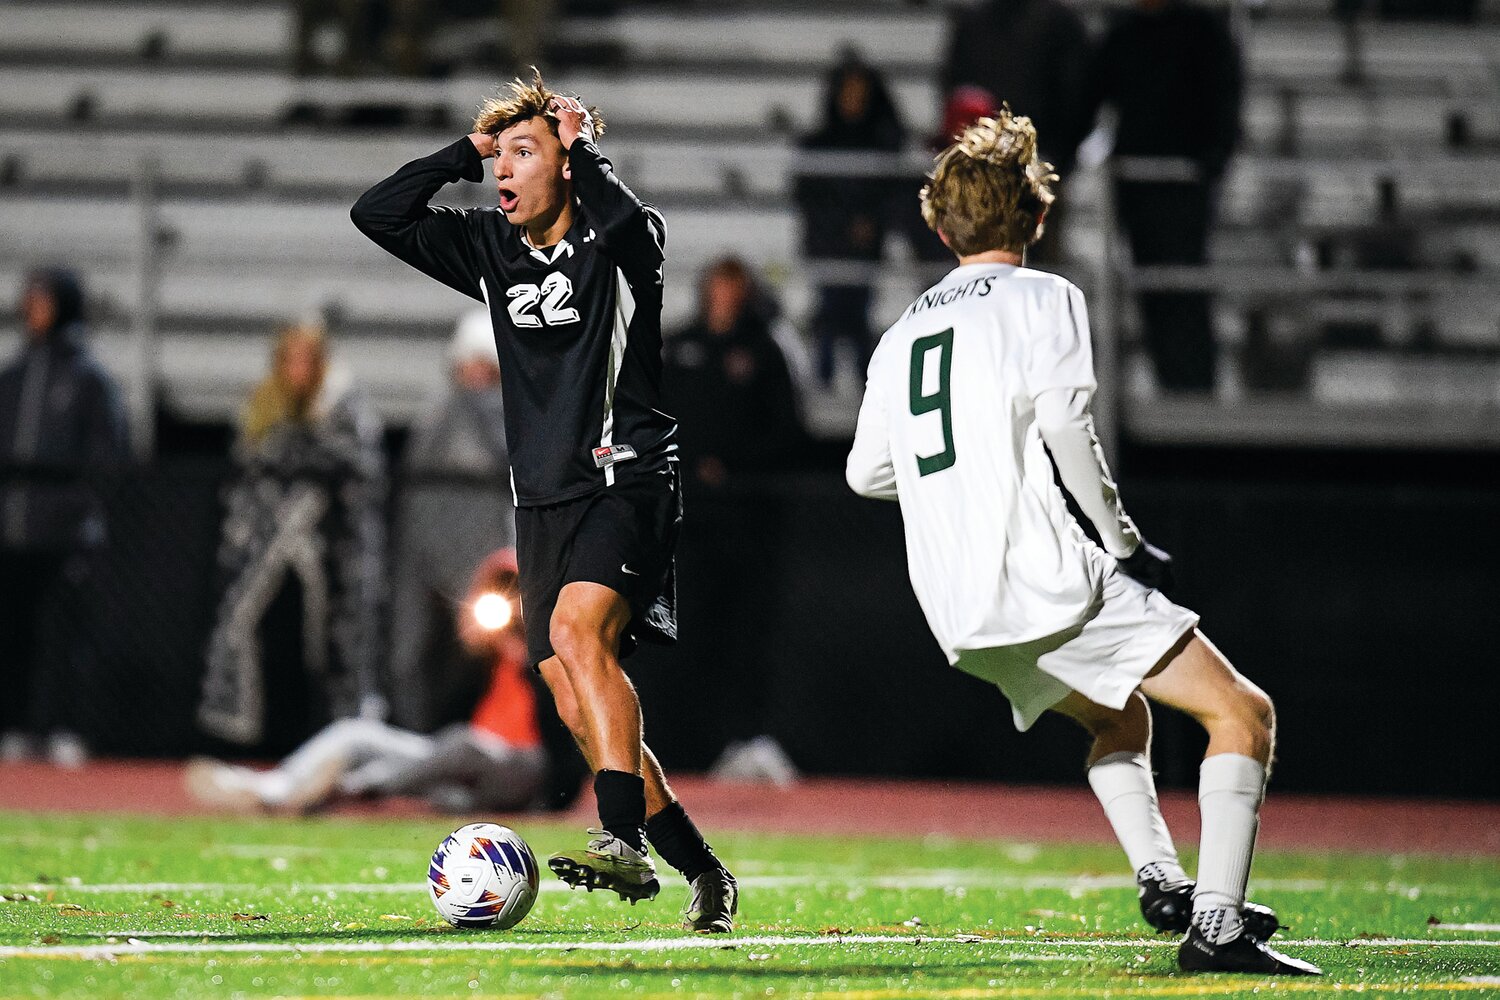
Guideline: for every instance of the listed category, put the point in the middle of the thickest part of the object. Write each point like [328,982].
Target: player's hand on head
[573,119]
[484,143]
[1150,566]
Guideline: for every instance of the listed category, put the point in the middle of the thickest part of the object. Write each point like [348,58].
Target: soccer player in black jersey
[570,265]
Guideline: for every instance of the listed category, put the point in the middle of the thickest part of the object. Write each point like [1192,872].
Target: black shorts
[623,538]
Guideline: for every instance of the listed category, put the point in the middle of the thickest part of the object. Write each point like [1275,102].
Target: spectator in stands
[1171,71]
[494,761]
[297,636]
[525,24]
[727,381]
[407,37]
[61,430]
[1033,55]
[360,37]
[455,506]
[845,215]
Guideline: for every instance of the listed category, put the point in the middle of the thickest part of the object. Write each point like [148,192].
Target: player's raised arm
[631,232]
[869,470]
[395,214]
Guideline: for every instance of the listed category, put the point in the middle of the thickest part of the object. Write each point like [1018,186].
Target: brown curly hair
[989,189]
[522,102]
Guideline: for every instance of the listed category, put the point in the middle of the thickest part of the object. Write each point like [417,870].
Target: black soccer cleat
[1243,954]
[1169,909]
[1167,906]
[715,901]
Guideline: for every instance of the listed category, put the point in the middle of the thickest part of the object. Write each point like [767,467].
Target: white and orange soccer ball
[483,875]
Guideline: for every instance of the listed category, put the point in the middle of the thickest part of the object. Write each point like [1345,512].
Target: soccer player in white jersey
[981,377]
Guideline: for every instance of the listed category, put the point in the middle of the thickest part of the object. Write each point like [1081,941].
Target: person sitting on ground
[494,762]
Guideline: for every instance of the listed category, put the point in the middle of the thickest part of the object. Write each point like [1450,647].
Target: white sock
[1231,787]
[1122,781]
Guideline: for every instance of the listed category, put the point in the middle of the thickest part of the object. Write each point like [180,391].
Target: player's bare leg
[600,706]
[1197,679]
[667,825]
[1241,724]
[585,631]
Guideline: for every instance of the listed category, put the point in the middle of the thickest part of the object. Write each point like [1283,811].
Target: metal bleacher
[146,137]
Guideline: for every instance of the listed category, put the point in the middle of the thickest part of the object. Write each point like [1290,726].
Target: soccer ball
[483,875]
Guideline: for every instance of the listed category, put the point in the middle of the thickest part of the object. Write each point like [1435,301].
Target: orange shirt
[508,708]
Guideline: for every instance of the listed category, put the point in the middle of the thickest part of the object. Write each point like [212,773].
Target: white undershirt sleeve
[869,470]
[1067,427]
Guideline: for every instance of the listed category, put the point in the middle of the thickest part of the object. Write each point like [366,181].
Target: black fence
[1366,608]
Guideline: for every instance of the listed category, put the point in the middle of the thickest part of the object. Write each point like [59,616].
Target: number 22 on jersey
[931,379]
[553,295]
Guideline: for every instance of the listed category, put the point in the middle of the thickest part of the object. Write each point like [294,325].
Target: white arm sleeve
[869,470]
[1062,415]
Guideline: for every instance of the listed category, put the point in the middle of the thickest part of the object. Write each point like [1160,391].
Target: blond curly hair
[274,401]
[522,101]
[990,190]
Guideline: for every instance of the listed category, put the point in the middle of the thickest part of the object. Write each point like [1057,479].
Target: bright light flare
[493,612]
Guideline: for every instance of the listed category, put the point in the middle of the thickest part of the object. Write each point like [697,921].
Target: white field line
[1484,928]
[285,851]
[136,946]
[969,881]
[165,934]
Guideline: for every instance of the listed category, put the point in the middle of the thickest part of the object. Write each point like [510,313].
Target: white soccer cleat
[608,863]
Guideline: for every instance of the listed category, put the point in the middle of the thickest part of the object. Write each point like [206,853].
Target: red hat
[966,105]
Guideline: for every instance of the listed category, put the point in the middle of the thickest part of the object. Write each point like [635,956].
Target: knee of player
[1256,715]
[573,638]
[1263,711]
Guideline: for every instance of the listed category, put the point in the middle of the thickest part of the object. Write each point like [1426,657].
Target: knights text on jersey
[577,325]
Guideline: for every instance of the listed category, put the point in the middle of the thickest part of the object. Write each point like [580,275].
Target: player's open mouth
[508,200]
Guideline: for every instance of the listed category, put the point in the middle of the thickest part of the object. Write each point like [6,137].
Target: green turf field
[153,907]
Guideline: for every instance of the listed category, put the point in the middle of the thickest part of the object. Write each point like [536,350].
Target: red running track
[844,805]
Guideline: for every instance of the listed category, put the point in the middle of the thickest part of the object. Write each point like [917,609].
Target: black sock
[622,806]
[678,842]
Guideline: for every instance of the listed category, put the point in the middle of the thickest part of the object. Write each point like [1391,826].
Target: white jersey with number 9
[948,428]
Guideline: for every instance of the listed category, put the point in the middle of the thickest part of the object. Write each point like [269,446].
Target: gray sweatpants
[456,769]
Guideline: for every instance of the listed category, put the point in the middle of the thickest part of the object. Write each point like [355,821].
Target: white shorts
[1103,658]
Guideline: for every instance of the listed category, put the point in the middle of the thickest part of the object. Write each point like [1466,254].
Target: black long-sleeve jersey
[577,325]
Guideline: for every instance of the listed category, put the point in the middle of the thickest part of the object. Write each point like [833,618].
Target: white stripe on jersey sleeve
[624,312]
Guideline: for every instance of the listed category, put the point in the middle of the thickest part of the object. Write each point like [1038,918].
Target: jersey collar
[580,232]
[549,255]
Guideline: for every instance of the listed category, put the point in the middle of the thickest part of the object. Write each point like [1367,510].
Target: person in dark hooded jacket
[61,430]
[845,218]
